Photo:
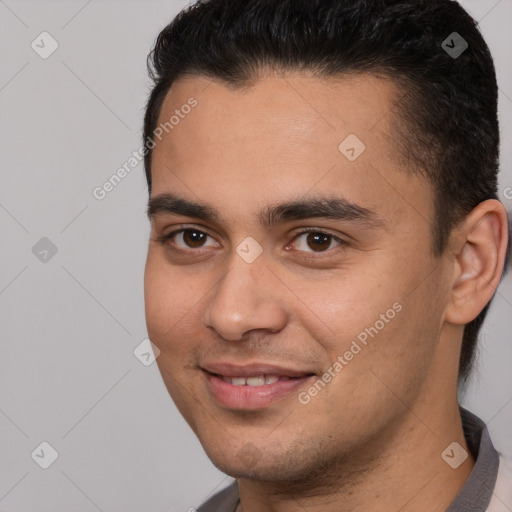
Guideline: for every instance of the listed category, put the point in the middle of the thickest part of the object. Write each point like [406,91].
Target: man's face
[237,296]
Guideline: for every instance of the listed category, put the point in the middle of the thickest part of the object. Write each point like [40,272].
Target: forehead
[286,134]
[293,106]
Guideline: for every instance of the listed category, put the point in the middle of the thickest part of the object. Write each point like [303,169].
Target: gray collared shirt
[473,497]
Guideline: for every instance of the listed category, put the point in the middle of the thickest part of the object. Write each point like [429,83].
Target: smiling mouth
[255,380]
[254,390]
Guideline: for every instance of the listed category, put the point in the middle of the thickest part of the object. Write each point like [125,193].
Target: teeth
[257,380]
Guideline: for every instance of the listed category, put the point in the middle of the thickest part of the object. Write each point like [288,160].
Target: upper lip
[253,369]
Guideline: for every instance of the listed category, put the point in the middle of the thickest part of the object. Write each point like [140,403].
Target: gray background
[69,325]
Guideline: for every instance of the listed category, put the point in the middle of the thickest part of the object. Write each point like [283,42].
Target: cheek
[168,298]
[387,308]
[402,352]
[335,308]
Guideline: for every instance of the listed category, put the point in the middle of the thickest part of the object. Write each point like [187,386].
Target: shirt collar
[476,493]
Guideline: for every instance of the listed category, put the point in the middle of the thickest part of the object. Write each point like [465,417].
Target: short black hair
[447,127]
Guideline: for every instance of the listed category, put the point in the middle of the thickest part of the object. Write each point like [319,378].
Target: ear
[481,245]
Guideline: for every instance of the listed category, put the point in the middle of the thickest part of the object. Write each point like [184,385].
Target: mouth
[252,387]
[256,380]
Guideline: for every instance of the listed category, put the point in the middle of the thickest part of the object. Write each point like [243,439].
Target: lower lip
[251,397]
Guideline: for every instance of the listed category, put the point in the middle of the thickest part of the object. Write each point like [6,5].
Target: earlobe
[478,264]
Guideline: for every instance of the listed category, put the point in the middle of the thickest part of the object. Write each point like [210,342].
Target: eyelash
[164,239]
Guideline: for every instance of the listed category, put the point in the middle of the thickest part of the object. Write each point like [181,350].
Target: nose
[248,298]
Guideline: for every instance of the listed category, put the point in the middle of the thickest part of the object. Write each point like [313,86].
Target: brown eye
[316,241]
[193,238]
[189,239]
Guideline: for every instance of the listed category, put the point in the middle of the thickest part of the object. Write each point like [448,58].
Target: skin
[372,438]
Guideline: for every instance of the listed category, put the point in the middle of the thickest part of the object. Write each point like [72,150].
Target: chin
[251,463]
[252,471]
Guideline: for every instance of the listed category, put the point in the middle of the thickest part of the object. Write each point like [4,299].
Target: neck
[402,470]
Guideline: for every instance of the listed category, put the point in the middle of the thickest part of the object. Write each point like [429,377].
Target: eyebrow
[332,208]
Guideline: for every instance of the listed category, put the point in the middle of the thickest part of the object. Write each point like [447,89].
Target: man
[326,240]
